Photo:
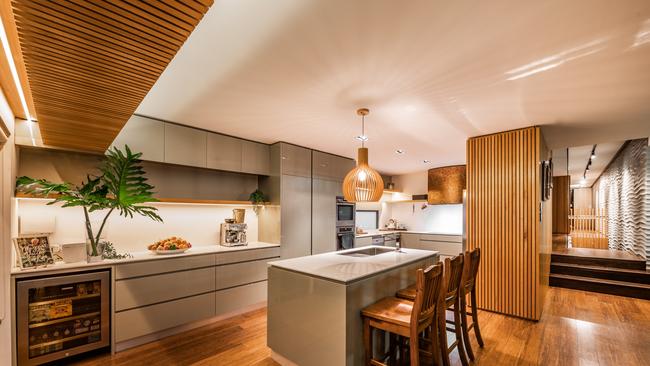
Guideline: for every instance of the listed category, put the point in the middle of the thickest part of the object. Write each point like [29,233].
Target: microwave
[344,212]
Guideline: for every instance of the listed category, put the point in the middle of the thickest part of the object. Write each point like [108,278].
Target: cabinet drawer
[162,266]
[137,292]
[150,319]
[237,298]
[363,241]
[237,274]
[436,237]
[247,255]
[443,247]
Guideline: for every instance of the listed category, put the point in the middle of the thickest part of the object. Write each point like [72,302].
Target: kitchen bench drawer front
[236,298]
[138,269]
[141,291]
[247,255]
[437,237]
[237,274]
[150,319]
[444,247]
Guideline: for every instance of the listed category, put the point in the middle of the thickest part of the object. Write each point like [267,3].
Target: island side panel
[306,318]
[368,291]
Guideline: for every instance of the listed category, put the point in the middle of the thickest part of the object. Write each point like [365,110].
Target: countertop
[384,232]
[347,269]
[145,255]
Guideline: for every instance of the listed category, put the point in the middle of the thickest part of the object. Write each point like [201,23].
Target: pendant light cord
[363,130]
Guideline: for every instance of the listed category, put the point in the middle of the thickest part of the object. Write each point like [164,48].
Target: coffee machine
[233,234]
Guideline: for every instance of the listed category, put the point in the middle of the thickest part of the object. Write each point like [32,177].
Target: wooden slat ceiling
[91,62]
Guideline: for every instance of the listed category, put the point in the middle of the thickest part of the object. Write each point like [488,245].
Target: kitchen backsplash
[442,219]
[199,224]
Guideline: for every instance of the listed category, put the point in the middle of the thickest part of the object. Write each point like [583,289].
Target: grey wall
[623,191]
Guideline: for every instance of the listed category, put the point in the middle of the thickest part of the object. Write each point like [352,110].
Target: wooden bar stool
[405,318]
[452,296]
[472,261]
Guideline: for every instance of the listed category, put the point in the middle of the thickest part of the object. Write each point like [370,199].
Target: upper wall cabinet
[255,158]
[330,167]
[185,145]
[295,160]
[224,152]
[143,135]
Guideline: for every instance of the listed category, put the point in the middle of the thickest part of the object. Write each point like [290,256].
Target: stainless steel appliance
[233,234]
[378,240]
[344,212]
[61,316]
[345,237]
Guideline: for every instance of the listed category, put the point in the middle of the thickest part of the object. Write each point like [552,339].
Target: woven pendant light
[363,184]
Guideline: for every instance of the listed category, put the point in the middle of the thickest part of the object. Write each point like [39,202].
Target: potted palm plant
[121,186]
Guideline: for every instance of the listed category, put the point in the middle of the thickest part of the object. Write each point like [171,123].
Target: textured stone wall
[624,191]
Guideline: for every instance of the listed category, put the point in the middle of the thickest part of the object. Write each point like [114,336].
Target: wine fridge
[61,316]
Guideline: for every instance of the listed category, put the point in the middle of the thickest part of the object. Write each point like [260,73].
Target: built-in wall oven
[345,230]
[344,212]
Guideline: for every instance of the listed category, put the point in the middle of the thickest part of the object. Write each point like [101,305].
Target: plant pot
[89,252]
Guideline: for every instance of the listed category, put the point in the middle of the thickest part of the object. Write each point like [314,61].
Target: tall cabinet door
[324,194]
[296,216]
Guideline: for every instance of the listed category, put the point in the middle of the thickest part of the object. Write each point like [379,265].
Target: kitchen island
[314,302]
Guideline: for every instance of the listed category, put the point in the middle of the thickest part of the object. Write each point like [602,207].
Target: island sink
[367,252]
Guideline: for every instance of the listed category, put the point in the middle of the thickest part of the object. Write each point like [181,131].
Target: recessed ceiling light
[362,138]
[399,151]
[593,156]
[426,161]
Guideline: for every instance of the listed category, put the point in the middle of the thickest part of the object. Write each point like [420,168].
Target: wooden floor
[576,328]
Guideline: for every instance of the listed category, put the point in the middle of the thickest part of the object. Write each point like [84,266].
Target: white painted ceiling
[433,73]
[577,161]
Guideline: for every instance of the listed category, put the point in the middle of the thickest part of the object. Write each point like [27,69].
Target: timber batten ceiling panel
[90,63]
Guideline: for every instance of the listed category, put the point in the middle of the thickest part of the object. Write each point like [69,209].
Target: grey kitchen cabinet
[185,145]
[141,291]
[255,158]
[295,160]
[138,269]
[363,241]
[143,135]
[243,273]
[224,152]
[240,297]
[295,198]
[323,219]
[332,167]
[154,318]
[410,240]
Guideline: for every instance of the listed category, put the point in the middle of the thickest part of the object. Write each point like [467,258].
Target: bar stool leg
[367,340]
[463,323]
[459,334]
[442,336]
[414,347]
[477,330]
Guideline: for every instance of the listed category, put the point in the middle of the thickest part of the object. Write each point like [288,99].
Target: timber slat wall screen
[90,63]
[561,204]
[503,198]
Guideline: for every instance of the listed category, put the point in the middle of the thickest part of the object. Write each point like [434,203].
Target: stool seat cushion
[390,310]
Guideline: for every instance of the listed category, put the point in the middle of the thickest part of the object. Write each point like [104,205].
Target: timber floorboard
[576,328]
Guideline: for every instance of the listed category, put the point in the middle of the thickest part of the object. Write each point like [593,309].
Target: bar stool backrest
[472,261]
[454,275]
[427,294]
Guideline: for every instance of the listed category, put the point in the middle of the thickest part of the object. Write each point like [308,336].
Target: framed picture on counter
[33,250]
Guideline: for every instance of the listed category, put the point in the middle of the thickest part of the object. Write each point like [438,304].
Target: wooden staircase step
[607,273]
[638,264]
[620,288]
